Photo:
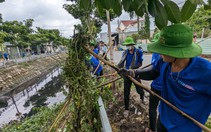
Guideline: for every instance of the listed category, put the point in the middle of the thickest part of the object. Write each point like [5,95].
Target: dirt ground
[138,117]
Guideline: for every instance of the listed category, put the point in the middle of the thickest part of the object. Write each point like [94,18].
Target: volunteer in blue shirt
[155,87]
[131,59]
[92,61]
[94,47]
[185,79]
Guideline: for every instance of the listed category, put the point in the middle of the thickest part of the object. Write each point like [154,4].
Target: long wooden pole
[114,80]
[204,128]
[112,74]
[60,113]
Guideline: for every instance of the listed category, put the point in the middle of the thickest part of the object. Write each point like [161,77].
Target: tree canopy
[89,17]
[22,34]
[201,19]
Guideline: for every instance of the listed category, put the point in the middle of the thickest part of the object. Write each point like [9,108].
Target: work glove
[124,72]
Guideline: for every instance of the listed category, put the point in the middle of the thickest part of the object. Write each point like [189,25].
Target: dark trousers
[153,104]
[101,73]
[127,86]
[160,126]
[105,56]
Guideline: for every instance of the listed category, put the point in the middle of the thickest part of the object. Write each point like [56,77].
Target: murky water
[47,92]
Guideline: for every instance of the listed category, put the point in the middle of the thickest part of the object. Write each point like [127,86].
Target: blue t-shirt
[156,84]
[189,90]
[96,51]
[94,63]
[129,58]
[6,56]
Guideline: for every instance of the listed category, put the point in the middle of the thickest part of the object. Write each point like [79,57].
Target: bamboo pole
[203,127]
[113,74]
[114,80]
[101,59]
[146,66]
[59,114]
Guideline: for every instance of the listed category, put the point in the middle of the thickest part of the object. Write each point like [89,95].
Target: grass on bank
[41,121]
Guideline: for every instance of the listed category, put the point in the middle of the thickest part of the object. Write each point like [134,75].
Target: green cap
[176,41]
[129,41]
[92,42]
[88,57]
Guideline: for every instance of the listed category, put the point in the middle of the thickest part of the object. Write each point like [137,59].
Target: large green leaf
[140,11]
[139,7]
[117,7]
[106,4]
[85,4]
[158,24]
[99,7]
[136,4]
[126,4]
[161,18]
[152,7]
[187,10]
[173,12]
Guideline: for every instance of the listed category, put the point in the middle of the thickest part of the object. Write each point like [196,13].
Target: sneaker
[126,113]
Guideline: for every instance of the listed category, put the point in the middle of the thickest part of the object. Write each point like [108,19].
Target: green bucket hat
[176,41]
[93,43]
[156,37]
[129,41]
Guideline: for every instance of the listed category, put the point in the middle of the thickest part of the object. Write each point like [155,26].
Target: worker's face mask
[130,47]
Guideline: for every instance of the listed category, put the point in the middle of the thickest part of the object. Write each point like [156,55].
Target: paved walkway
[24,59]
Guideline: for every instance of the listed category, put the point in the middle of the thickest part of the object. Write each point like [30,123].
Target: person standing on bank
[131,59]
[94,47]
[104,49]
[155,87]
[185,79]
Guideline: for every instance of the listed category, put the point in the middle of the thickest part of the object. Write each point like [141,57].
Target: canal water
[47,92]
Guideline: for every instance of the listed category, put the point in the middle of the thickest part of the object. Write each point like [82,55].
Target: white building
[128,27]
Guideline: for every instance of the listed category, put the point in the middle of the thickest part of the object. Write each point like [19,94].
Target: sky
[48,14]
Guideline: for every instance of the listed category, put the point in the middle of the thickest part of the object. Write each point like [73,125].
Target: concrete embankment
[27,73]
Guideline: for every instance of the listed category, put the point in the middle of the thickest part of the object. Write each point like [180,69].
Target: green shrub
[208,123]
[40,122]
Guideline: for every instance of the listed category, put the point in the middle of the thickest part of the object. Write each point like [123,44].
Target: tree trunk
[138,24]
[109,38]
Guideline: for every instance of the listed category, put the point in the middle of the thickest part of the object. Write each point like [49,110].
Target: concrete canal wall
[27,73]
